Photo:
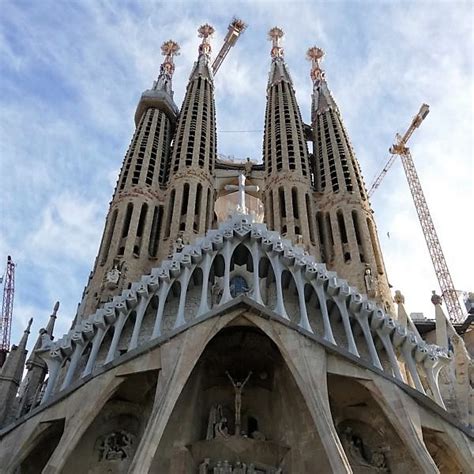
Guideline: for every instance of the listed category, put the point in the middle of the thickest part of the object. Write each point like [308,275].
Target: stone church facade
[263,341]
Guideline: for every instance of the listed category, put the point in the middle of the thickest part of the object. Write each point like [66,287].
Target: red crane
[7,309]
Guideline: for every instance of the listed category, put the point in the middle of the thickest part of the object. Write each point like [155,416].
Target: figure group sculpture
[225,467]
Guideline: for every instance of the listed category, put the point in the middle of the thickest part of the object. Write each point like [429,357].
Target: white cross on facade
[241,188]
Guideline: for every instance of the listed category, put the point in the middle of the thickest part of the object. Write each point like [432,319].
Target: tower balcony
[157,99]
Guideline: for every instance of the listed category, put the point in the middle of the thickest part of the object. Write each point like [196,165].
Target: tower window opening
[208,210]
[281,194]
[108,237]
[355,221]
[197,207]
[294,201]
[170,213]
[310,219]
[141,220]
[375,246]
[155,231]
[321,236]
[342,227]
[128,218]
[184,204]
[270,219]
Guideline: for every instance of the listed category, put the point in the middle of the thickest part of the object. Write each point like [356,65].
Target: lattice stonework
[288,267]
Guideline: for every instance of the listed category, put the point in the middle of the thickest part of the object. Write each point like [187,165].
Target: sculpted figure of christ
[238,388]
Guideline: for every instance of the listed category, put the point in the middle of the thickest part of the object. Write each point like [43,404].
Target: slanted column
[54,360]
[318,284]
[163,294]
[340,295]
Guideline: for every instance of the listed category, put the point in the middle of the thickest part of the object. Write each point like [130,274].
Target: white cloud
[72,73]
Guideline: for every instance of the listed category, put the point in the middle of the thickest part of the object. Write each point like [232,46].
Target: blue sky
[71,73]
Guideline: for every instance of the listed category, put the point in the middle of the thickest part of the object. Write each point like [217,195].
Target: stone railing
[360,322]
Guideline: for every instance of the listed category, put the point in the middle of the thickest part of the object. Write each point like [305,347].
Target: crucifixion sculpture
[238,388]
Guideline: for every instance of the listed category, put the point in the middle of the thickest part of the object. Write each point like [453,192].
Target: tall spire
[132,233]
[322,98]
[285,154]
[346,228]
[278,71]
[191,197]
[10,377]
[36,369]
[202,67]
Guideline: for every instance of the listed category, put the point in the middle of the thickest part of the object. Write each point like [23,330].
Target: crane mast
[7,309]
[434,247]
[236,28]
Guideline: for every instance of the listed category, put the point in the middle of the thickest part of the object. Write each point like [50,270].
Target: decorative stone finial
[315,55]
[55,308]
[30,322]
[399,298]
[169,49]
[436,299]
[275,35]
[205,32]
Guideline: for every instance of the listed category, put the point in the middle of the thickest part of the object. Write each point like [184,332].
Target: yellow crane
[399,148]
[235,29]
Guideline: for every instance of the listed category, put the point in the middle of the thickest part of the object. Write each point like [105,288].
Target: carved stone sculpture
[204,466]
[116,446]
[238,388]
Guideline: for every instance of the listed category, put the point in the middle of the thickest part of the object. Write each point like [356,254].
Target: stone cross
[241,188]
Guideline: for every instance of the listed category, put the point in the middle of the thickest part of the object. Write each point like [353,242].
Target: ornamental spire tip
[205,32]
[315,55]
[275,35]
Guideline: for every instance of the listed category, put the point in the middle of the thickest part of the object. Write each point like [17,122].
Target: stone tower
[133,228]
[344,220]
[191,193]
[285,155]
[10,377]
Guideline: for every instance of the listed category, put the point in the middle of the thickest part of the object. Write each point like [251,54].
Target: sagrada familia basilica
[238,317]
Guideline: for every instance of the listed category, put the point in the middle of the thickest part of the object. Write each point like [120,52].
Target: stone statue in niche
[369,283]
[112,277]
[239,468]
[361,454]
[224,467]
[116,446]
[238,388]
[217,424]
[204,466]
[216,293]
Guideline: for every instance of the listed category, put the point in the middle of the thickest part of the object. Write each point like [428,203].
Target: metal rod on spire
[275,35]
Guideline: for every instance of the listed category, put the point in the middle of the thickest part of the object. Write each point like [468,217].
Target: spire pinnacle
[275,35]
[169,49]
[26,332]
[315,55]
[205,32]
[52,319]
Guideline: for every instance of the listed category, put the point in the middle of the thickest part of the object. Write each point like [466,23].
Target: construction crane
[434,247]
[7,309]
[236,28]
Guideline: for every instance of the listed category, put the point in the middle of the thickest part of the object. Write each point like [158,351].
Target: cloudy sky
[71,73]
